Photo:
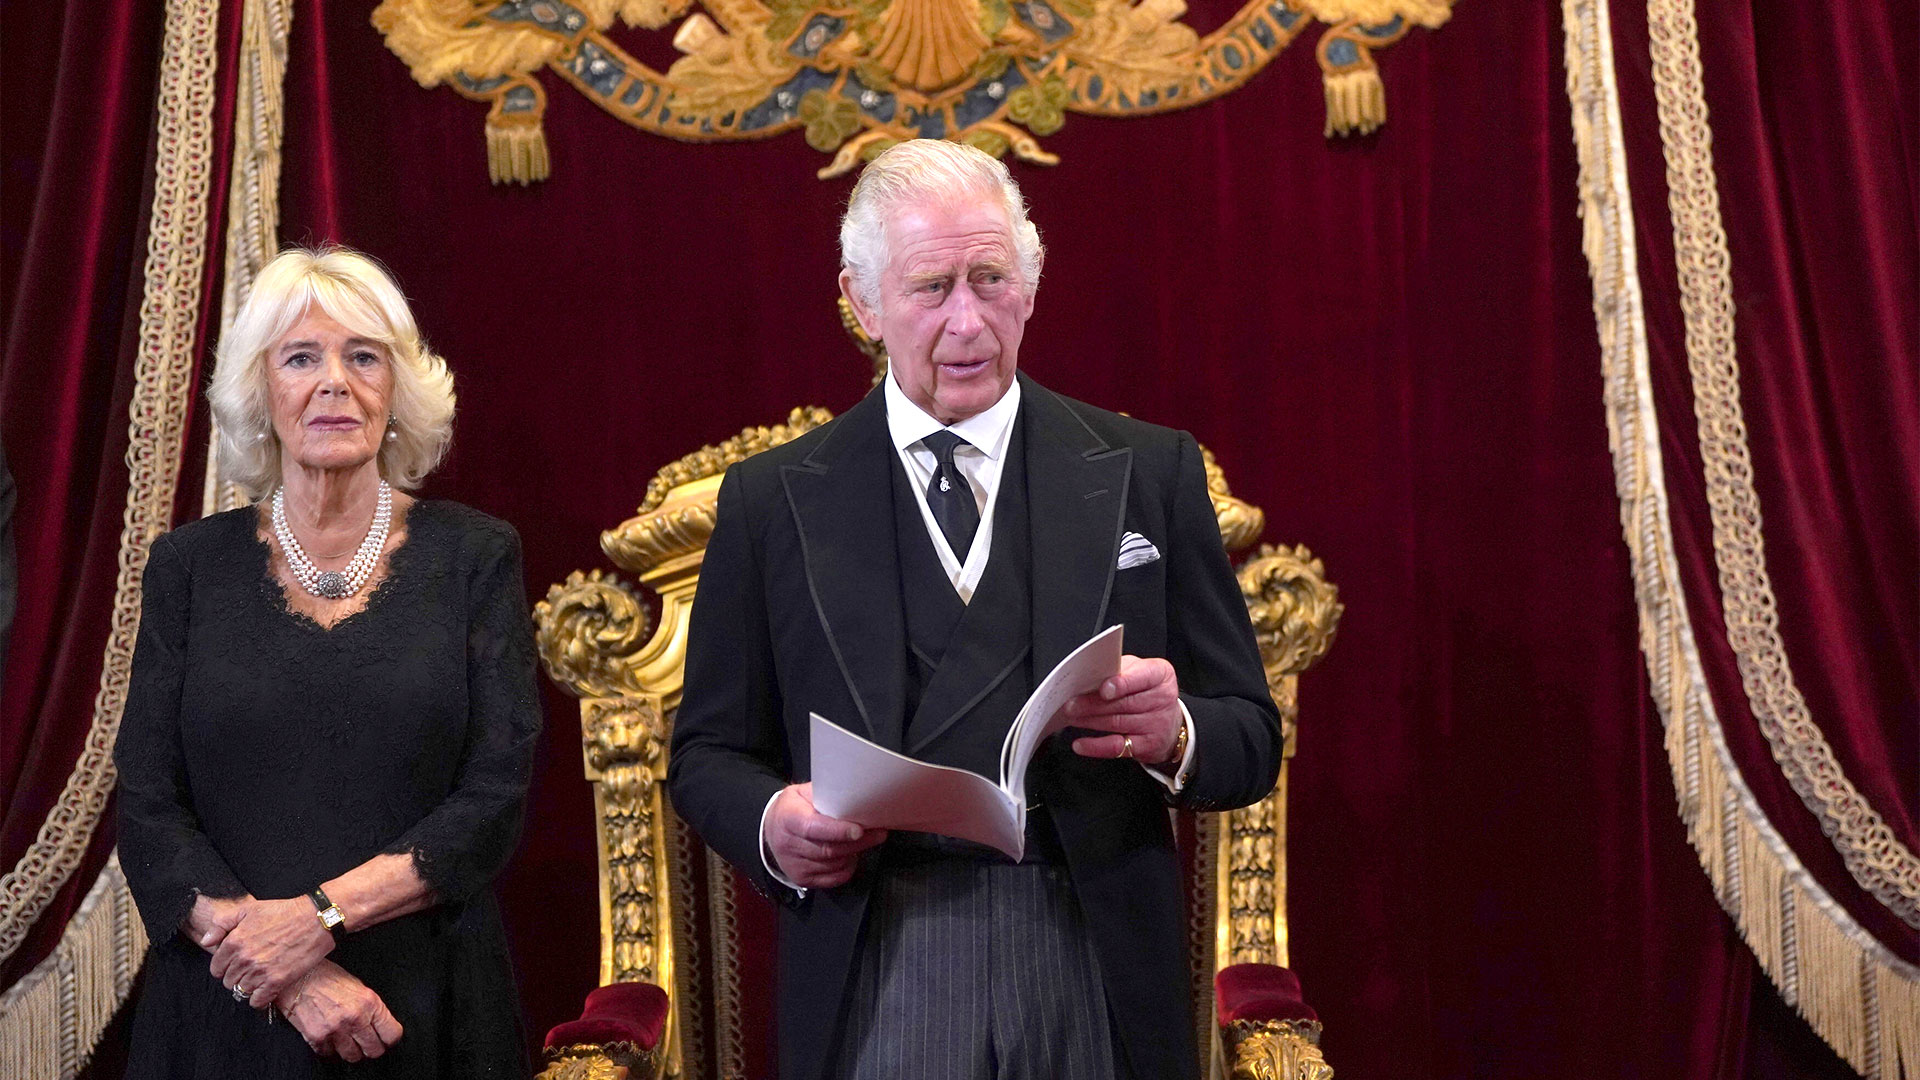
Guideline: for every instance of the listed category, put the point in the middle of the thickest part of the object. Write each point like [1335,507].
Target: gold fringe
[1860,997]
[516,150]
[1356,102]
[51,1020]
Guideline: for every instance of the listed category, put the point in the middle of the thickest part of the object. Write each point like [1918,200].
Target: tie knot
[943,443]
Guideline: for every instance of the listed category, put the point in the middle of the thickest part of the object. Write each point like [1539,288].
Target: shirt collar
[988,431]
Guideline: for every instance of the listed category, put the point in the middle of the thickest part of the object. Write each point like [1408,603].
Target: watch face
[332,917]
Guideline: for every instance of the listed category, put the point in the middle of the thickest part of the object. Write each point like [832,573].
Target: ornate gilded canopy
[860,75]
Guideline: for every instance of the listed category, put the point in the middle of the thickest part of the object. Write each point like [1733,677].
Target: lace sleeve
[459,847]
[168,859]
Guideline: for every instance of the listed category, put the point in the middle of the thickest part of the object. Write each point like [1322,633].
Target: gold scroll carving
[1275,1050]
[861,76]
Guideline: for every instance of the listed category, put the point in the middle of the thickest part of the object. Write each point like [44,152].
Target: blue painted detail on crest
[549,15]
[1094,86]
[1149,98]
[1263,34]
[1045,21]
[1383,30]
[632,95]
[980,102]
[601,72]
[932,126]
[819,31]
[1342,52]
[1233,56]
[479,86]
[782,105]
[519,99]
[858,92]
[1283,15]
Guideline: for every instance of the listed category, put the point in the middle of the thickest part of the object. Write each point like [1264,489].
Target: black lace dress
[262,753]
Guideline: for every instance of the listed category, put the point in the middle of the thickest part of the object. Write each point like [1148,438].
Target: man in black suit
[910,571]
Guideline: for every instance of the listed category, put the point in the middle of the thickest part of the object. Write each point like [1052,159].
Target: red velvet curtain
[1816,148]
[77,99]
[1388,341]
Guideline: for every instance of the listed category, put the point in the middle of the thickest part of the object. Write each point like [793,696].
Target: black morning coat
[799,610]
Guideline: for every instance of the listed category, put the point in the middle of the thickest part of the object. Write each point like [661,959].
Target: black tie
[949,496]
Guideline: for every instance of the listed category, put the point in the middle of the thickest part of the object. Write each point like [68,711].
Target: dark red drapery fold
[80,143]
[1814,136]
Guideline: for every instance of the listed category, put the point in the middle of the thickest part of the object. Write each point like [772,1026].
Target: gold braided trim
[1860,997]
[690,1022]
[730,1042]
[253,194]
[51,1020]
[1876,858]
[163,383]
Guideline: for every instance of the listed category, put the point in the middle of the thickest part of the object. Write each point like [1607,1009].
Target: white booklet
[858,780]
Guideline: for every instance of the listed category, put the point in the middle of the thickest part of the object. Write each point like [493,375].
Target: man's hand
[1142,702]
[274,943]
[338,1015]
[812,849]
[211,918]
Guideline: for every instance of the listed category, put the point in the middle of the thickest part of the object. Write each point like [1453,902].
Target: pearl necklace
[334,584]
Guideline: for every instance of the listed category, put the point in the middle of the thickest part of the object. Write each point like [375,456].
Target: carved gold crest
[860,75]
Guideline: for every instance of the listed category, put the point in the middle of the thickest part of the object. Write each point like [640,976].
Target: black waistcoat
[969,666]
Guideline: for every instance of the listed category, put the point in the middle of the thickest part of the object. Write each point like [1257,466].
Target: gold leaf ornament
[1040,109]
[829,120]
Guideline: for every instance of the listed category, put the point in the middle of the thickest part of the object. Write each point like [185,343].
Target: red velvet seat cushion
[632,1012]
[1259,992]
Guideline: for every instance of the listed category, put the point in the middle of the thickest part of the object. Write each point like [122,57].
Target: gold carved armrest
[600,642]
[1275,1050]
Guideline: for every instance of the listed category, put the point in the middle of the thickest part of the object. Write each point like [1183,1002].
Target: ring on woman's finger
[240,995]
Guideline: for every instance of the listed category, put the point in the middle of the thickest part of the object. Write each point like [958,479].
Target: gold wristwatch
[329,912]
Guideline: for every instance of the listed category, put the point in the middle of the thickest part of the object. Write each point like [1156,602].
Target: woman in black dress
[331,719]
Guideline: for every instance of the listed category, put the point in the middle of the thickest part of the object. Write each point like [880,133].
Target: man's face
[952,305]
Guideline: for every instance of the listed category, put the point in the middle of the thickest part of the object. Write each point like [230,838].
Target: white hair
[922,170]
[358,294]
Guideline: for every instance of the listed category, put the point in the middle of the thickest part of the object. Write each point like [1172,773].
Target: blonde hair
[920,170]
[358,294]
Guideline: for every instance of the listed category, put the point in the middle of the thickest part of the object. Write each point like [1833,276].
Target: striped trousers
[974,970]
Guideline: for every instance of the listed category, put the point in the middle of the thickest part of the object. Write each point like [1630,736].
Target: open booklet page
[857,780]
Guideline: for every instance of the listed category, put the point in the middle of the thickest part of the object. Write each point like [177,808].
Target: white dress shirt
[988,434]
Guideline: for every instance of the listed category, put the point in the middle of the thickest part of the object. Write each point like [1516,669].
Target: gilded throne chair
[685,945]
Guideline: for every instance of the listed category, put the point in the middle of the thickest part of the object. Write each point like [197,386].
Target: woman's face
[329,391]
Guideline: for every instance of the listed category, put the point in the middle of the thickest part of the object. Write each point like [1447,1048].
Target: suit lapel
[843,508]
[1076,500]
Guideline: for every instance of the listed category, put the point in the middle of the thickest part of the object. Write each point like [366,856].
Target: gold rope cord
[253,194]
[1876,858]
[163,383]
[1863,1000]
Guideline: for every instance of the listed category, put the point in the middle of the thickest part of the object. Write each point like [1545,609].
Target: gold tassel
[1356,101]
[516,149]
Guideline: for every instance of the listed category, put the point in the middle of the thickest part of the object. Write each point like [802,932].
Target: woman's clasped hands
[274,951]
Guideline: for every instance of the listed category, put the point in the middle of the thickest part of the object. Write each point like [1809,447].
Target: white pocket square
[1136,550]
